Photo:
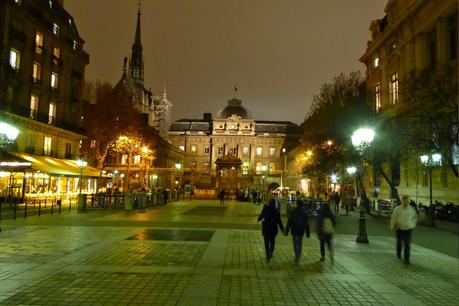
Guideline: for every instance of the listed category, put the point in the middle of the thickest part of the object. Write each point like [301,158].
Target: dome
[233,108]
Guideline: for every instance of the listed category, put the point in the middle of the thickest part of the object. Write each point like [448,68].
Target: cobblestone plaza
[199,253]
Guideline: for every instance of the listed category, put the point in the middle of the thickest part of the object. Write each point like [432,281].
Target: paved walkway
[198,253]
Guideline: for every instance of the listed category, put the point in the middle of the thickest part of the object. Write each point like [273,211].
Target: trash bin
[82,202]
[129,201]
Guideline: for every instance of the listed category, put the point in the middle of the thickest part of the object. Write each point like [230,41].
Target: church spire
[136,62]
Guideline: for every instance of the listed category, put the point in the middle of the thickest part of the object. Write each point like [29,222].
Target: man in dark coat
[221,196]
[270,219]
[298,222]
[326,223]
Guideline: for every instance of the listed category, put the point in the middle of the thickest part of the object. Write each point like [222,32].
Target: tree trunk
[394,191]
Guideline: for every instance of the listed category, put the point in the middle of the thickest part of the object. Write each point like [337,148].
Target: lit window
[52,113]
[93,143]
[33,106]
[38,42]
[258,167]
[57,52]
[75,45]
[54,80]
[272,167]
[182,147]
[136,159]
[259,151]
[36,72]
[393,88]
[272,151]
[14,58]
[206,165]
[206,150]
[194,148]
[193,164]
[376,62]
[245,168]
[245,151]
[221,151]
[124,159]
[55,29]
[377,97]
[233,151]
[47,143]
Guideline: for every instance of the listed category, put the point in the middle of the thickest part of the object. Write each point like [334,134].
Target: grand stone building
[42,66]
[413,37]
[232,150]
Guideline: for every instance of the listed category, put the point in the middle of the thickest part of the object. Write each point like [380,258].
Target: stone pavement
[197,253]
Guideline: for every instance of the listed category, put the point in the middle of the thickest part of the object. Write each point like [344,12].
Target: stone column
[420,51]
[442,41]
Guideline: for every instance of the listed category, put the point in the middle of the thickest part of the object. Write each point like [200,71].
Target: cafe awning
[56,166]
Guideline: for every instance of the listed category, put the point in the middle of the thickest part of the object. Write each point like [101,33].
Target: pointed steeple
[136,61]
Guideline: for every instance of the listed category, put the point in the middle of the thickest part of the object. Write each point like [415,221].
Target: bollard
[25,209]
[70,204]
[59,203]
[52,206]
[45,202]
[34,199]
[39,207]
[15,210]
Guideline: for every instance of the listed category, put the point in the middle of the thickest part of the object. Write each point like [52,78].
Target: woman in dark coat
[270,219]
[326,223]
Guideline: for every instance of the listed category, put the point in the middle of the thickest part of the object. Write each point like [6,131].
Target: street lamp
[81,164]
[361,140]
[430,161]
[284,153]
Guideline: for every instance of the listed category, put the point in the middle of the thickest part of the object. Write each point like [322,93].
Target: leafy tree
[107,117]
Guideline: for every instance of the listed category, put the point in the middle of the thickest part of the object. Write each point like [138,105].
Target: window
[38,43]
[258,167]
[221,151]
[136,159]
[206,150]
[376,62]
[68,150]
[233,151]
[14,58]
[245,168]
[55,29]
[33,106]
[378,97]
[182,147]
[193,164]
[393,88]
[36,72]
[124,159]
[93,143]
[259,151]
[194,148]
[52,113]
[54,80]
[206,165]
[47,143]
[272,151]
[272,167]
[57,52]
[245,151]
[56,55]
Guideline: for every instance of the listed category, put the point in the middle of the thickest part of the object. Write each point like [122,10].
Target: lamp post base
[362,236]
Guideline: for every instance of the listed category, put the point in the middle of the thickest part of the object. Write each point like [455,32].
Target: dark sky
[277,52]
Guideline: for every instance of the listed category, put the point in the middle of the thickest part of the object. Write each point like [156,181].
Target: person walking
[402,221]
[270,220]
[347,201]
[221,196]
[326,223]
[298,222]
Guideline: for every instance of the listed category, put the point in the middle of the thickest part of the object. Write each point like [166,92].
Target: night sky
[277,52]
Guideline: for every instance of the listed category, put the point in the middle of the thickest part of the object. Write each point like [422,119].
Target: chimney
[207,117]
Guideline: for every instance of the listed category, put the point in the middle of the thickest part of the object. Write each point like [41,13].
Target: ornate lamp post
[431,161]
[81,164]
[361,140]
